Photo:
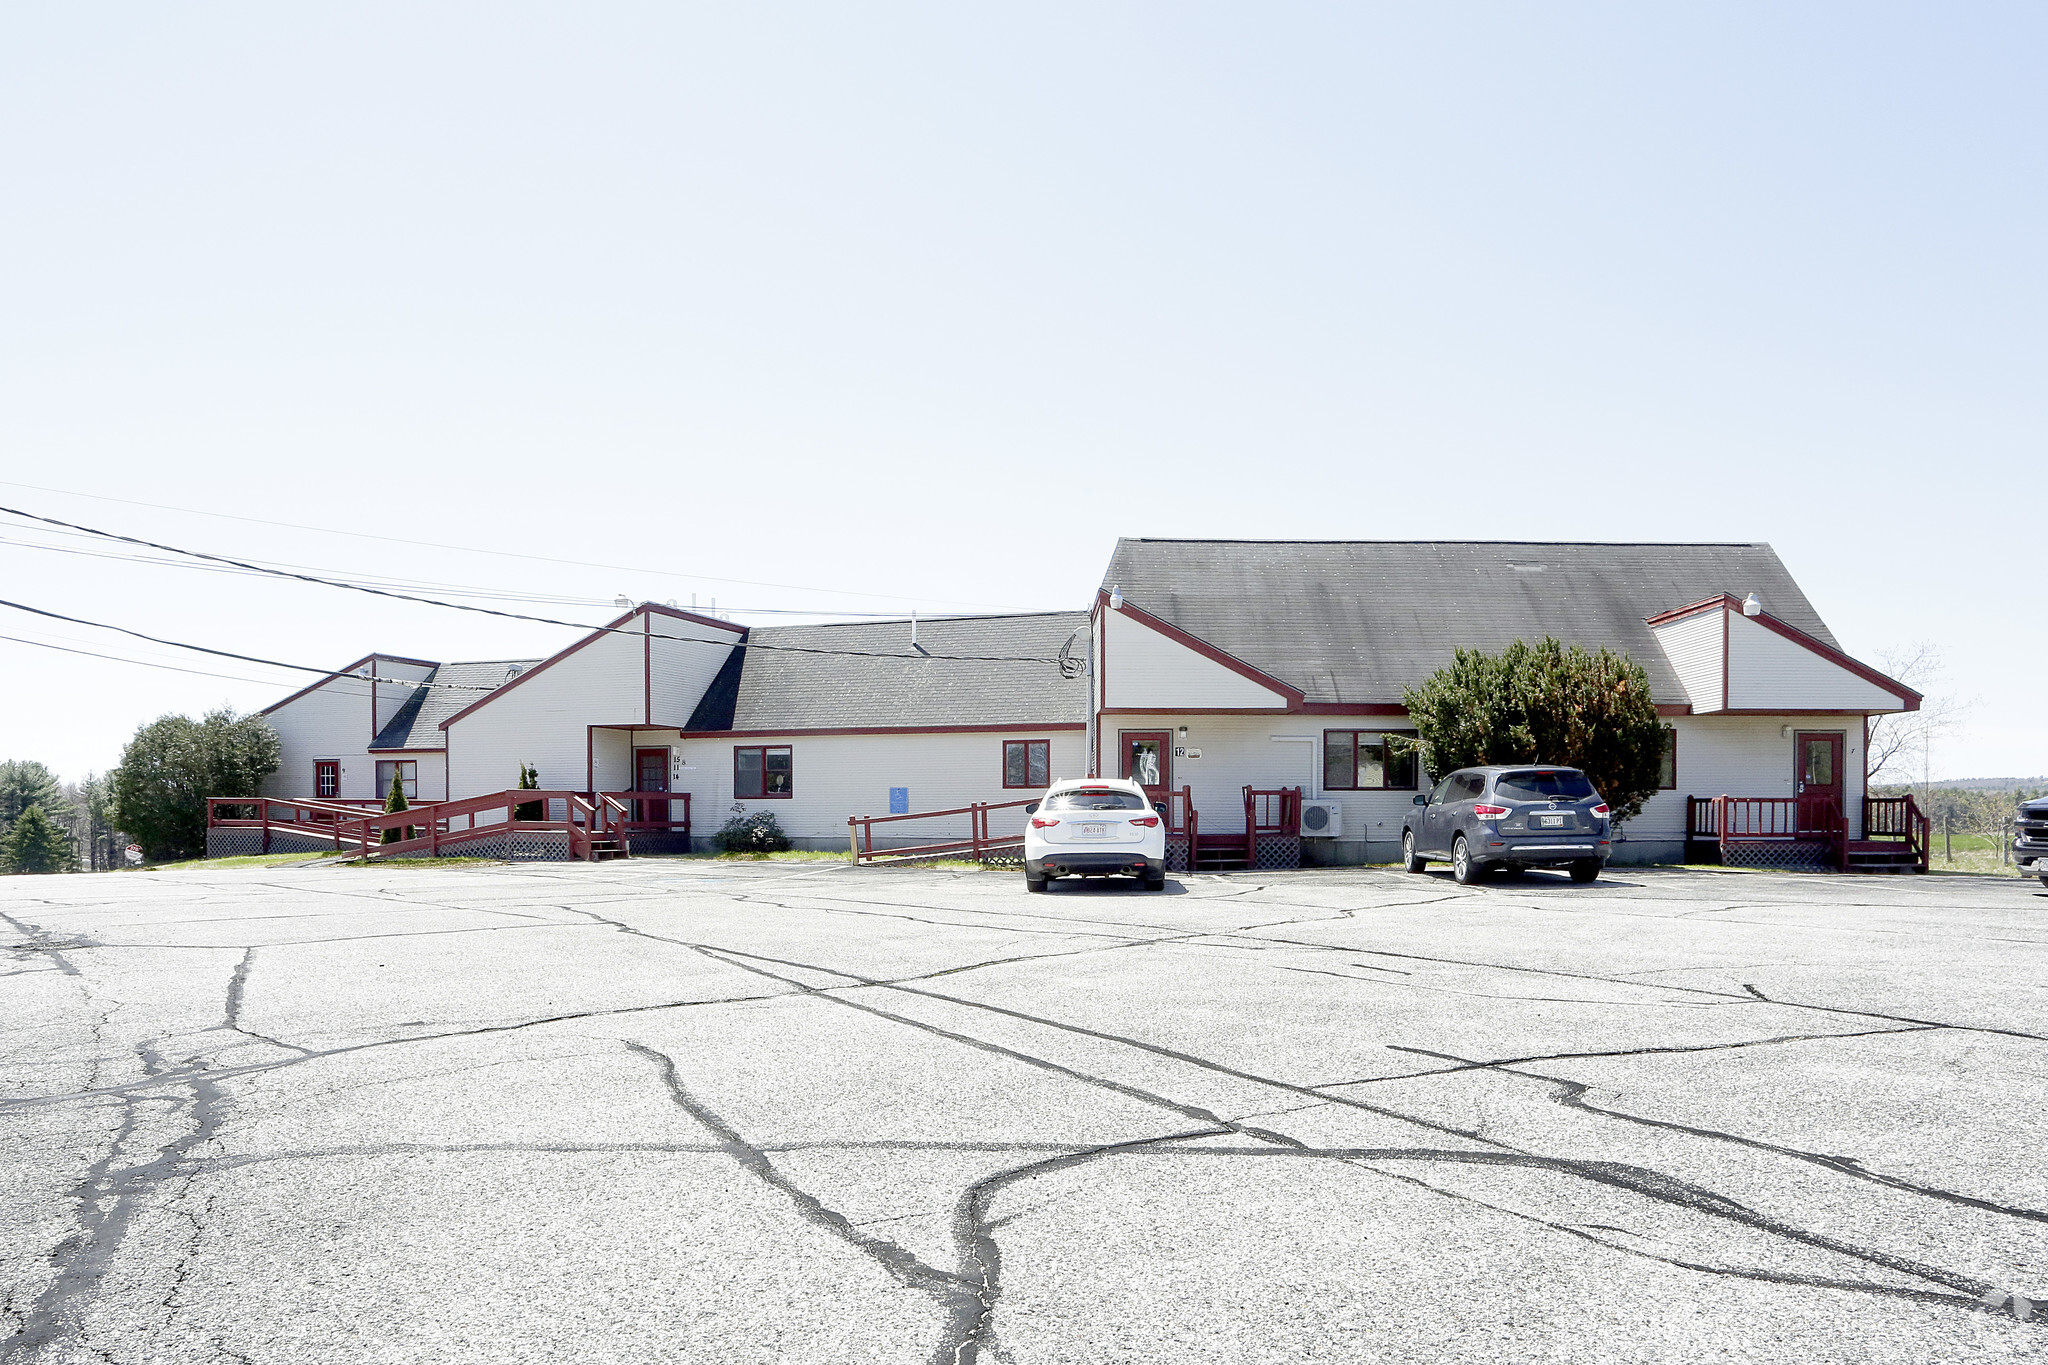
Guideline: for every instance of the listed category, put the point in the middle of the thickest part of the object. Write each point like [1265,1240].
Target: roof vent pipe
[1752,606]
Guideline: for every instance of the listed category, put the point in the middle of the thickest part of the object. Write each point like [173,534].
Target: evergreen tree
[34,844]
[394,800]
[529,780]
[1545,703]
[25,783]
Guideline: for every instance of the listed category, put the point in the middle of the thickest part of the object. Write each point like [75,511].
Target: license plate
[1091,831]
[1551,821]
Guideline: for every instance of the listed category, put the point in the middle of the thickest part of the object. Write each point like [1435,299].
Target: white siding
[1693,645]
[1242,751]
[331,721]
[542,718]
[683,666]
[1766,670]
[1143,668]
[1742,756]
[835,776]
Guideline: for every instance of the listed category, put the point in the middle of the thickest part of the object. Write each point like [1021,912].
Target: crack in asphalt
[106,1202]
[1571,1094]
[40,940]
[954,1291]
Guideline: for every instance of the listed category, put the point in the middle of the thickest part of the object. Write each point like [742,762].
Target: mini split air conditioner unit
[1321,819]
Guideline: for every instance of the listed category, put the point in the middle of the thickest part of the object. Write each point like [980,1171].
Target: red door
[1146,757]
[650,774]
[1818,770]
[327,779]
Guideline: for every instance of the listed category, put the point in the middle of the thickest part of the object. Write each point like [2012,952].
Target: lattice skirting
[670,841]
[244,843]
[1177,853]
[542,846]
[1787,853]
[1279,852]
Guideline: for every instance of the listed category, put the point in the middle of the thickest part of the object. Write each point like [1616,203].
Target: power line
[222,653]
[458,589]
[493,611]
[478,550]
[143,663]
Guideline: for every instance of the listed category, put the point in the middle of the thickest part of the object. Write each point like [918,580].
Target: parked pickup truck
[2030,844]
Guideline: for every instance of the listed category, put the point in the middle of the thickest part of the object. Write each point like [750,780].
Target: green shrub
[759,833]
[1545,703]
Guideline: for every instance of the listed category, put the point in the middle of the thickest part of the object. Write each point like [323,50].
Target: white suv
[1094,827]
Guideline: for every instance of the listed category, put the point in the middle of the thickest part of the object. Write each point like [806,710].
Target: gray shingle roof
[761,689]
[1356,621]
[417,723]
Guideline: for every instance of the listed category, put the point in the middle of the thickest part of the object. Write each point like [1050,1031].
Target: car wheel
[1586,869]
[2044,881]
[1034,883]
[1464,871]
[1157,883]
[1408,855]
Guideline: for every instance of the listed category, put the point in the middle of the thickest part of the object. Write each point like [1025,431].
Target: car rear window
[1544,784]
[1094,798]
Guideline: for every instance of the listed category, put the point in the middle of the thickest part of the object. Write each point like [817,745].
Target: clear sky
[868,306]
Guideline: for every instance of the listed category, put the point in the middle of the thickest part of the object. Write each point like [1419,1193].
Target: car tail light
[1146,820]
[1037,823]
[1486,812]
[1601,810]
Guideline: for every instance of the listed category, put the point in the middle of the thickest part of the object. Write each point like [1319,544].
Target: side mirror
[1421,800]
[1159,806]
[1031,808]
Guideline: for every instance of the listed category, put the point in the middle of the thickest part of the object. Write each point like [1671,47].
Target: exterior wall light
[1752,605]
[1116,598]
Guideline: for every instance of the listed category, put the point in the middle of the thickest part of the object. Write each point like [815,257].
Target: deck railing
[980,844]
[587,820]
[1900,819]
[1724,820]
[652,813]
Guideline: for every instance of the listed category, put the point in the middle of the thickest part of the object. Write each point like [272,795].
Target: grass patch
[244,860]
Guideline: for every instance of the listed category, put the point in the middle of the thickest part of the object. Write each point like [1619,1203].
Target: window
[327,779]
[1094,798]
[1468,786]
[761,771]
[1544,784]
[1027,763]
[1368,760]
[408,771]
[1667,766]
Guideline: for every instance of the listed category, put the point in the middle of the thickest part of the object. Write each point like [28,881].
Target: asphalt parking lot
[683,1110]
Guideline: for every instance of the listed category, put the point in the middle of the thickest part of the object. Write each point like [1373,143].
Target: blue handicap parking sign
[899,800]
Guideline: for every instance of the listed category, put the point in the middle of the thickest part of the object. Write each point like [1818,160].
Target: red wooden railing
[1271,811]
[979,844]
[1899,818]
[588,819]
[1764,819]
[651,814]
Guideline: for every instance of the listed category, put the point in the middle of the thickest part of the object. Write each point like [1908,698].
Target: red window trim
[1415,785]
[326,767]
[1027,784]
[763,749]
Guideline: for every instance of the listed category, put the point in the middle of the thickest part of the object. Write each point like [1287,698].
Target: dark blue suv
[1509,817]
